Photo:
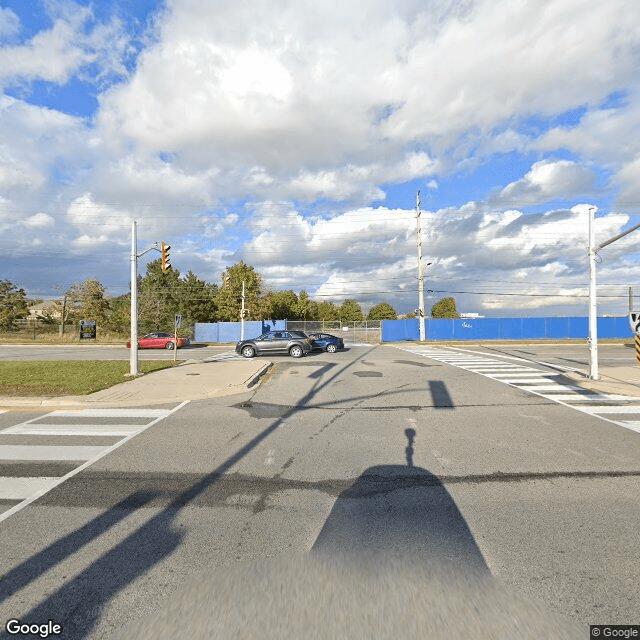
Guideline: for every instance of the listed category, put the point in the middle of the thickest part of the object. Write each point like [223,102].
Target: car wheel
[169,346]
[331,348]
[248,351]
[296,351]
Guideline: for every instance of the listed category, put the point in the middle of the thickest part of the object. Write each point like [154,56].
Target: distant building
[40,310]
[471,316]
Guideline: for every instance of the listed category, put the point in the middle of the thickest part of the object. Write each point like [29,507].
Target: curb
[255,378]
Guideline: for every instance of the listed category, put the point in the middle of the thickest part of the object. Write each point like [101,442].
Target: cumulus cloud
[548,180]
[39,220]
[74,43]
[313,106]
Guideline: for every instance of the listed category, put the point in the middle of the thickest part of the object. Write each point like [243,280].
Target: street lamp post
[593,316]
[420,270]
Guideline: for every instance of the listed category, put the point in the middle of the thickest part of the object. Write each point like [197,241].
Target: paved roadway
[562,354]
[97,352]
[380,450]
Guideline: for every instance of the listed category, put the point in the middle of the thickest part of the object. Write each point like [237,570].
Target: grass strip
[67,377]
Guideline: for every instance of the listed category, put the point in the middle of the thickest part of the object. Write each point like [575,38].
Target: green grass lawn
[67,377]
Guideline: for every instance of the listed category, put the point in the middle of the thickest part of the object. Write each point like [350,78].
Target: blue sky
[295,137]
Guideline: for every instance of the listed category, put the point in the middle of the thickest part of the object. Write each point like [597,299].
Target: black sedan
[326,342]
[277,342]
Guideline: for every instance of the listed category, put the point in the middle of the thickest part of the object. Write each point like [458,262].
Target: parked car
[326,342]
[283,342]
[157,340]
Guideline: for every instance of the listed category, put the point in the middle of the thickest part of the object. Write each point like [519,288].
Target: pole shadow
[402,513]
[394,559]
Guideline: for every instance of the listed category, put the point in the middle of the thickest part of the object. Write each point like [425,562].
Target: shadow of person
[395,559]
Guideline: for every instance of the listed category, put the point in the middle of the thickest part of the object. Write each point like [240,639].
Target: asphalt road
[100,352]
[364,455]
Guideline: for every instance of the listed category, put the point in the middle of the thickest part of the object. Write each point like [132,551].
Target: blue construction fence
[231,331]
[552,328]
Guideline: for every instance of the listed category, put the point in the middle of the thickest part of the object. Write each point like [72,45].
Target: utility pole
[242,312]
[133,353]
[593,317]
[420,270]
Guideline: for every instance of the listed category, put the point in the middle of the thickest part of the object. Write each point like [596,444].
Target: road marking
[50,452]
[607,408]
[42,428]
[22,488]
[28,489]
[541,383]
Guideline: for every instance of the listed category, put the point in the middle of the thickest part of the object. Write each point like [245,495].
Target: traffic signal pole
[166,265]
[133,353]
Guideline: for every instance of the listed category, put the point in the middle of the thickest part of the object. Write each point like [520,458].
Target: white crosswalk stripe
[542,383]
[226,355]
[65,442]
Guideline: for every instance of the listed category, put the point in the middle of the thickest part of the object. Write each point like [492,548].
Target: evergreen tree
[327,311]
[229,298]
[350,311]
[158,298]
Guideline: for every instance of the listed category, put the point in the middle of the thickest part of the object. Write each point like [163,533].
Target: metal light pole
[593,316]
[133,353]
[420,270]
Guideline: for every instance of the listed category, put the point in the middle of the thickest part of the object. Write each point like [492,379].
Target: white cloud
[39,220]
[9,23]
[548,180]
[318,103]
[72,43]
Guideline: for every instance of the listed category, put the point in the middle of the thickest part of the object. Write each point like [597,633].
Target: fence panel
[550,328]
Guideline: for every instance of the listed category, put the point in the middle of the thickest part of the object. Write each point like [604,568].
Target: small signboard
[178,321]
[87,329]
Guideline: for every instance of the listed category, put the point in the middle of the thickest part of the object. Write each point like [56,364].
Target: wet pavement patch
[264,409]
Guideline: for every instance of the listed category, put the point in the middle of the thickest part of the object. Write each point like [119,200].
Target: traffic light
[166,263]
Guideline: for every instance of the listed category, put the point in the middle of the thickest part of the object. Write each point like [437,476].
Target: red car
[158,340]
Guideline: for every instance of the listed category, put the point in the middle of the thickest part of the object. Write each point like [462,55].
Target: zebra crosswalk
[620,409]
[225,355]
[39,454]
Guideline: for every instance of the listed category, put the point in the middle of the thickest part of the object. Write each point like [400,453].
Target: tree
[119,314]
[196,299]
[327,311]
[445,308]
[306,309]
[86,301]
[228,298]
[13,304]
[157,298]
[382,311]
[282,305]
[350,311]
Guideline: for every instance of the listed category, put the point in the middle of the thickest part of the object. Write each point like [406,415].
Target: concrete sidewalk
[621,380]
[191,380]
